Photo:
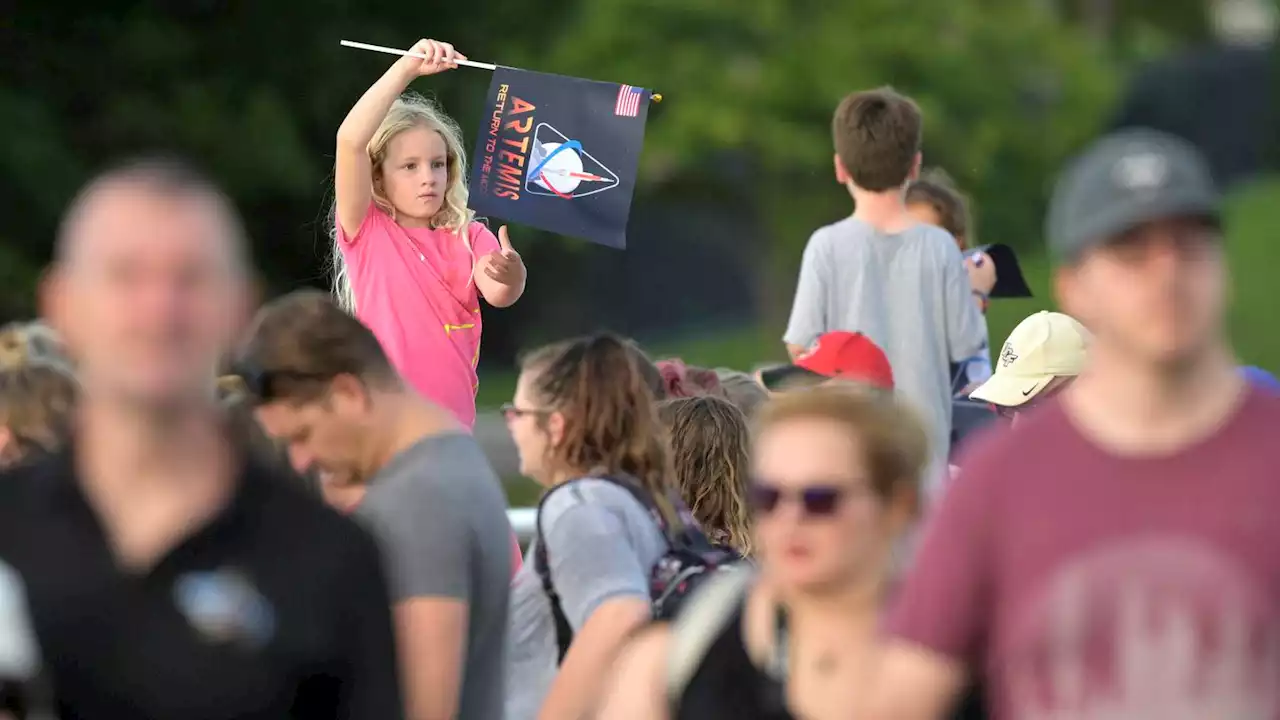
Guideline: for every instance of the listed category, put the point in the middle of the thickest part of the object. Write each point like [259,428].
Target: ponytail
[611,424]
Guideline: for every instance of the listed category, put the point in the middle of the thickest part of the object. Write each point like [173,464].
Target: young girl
[935,200]
[408,258]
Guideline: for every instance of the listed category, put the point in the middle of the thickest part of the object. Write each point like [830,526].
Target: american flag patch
[628,101]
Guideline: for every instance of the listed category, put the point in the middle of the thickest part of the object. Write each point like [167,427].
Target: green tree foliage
[1007,91]
[254,91]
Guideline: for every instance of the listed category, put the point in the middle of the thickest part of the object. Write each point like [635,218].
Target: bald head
[150,283]
[158,180]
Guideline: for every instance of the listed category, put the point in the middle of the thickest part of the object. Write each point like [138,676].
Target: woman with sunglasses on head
[1043,354]
[585,427]
[836,481]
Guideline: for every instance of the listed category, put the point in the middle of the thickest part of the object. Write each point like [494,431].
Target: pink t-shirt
[1082,584]
[414,290]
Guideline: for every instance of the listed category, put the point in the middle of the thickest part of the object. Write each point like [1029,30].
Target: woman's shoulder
[587,491]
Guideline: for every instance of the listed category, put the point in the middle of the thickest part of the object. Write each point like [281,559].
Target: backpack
[689,560]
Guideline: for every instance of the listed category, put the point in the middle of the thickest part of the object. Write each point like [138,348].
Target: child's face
[415,174]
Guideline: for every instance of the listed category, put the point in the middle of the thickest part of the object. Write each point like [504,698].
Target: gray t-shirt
[439,513]
[601,545]
[909,292]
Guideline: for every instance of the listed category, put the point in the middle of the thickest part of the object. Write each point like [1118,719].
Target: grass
[740,348]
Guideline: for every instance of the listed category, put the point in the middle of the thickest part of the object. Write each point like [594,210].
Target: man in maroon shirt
[1117,554]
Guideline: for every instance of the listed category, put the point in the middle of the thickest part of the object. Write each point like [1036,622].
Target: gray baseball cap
[1123,180]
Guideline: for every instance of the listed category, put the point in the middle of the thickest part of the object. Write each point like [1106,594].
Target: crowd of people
[207,515]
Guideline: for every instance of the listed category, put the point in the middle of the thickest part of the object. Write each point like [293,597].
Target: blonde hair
[710,445]
[36,404]
[894,442]
[409,111]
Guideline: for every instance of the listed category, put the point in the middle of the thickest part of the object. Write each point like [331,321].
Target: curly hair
[410,110]
[611,425]
[710,444]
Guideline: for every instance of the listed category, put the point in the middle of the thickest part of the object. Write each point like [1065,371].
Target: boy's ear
[916,166]
[842,175]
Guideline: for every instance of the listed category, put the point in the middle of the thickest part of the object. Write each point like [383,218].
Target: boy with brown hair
[882,273]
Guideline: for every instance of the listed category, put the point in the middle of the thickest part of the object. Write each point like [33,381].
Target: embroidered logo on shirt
[224,606]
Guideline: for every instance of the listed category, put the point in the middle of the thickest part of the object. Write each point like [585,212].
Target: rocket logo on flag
[562,168]
[628,101]
[559,153]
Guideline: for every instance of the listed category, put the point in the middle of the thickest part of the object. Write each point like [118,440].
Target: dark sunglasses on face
[816,500]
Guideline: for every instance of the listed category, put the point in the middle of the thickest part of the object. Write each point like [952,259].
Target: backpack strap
[541,564]
[646,501]
[698,625]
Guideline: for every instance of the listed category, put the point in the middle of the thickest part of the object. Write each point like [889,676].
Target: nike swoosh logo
[1027,393]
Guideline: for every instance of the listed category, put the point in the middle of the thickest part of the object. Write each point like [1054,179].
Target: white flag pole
[394,51]
[655,97]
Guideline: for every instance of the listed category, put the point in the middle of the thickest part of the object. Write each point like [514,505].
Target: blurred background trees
[737,168]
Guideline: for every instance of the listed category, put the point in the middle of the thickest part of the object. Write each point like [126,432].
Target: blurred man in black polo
[169,575]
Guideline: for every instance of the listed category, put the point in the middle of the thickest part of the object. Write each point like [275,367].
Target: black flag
[559,153]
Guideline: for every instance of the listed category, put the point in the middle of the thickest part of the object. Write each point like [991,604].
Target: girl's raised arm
[353,174]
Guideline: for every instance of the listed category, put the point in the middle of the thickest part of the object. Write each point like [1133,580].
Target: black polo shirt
[277,608]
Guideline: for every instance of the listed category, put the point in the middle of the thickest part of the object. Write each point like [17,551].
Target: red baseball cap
[844,355]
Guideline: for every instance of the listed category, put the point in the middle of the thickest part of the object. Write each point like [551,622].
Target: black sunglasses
[817,500]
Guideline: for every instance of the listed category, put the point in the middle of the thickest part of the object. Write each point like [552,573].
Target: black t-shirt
[729,686]
[277,608]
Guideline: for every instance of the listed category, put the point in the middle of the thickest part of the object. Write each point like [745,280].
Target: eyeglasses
[513,412]
[816,500]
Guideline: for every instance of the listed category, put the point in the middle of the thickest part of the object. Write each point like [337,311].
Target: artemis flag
[559,153]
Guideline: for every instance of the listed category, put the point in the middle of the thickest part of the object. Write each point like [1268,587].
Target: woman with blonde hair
[837,473]
[409,259]
[709,450]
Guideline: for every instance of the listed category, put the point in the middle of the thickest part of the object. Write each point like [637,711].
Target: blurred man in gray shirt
[327,391]
[881,273]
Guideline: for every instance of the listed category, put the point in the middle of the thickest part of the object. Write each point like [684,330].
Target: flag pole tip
[656,97]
